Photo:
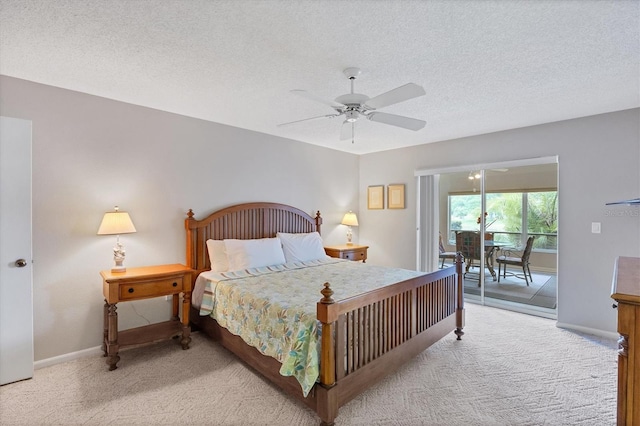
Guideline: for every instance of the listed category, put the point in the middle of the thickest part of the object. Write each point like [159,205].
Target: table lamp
[350,219]
[116,223]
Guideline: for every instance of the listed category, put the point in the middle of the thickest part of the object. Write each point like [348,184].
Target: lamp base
[349,243]
[118,257]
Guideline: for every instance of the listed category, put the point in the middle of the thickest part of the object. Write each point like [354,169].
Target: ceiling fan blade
[399,94]
[347,130]
[310,96]
[308,119]
[397,120]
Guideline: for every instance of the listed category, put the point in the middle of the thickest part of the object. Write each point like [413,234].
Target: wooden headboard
[243,222]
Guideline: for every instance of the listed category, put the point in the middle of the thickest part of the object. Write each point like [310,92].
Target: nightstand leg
[105,324]
[186,330]
[112,337]
[176,304]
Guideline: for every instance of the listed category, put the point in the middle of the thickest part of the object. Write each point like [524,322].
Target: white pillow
[302,247]
[243,254]
[217,255]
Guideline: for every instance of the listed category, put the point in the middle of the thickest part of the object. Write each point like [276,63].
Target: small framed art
[395,196]
[375,197]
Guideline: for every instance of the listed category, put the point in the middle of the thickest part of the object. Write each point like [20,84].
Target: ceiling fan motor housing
[352,99]
[354,103]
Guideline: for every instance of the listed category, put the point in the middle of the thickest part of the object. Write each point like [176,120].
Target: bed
[361,338]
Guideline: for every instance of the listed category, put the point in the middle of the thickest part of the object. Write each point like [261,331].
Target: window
[511,216]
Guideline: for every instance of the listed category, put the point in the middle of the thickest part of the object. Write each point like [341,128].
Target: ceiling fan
[355,105]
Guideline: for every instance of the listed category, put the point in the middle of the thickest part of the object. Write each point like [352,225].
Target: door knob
[20,263]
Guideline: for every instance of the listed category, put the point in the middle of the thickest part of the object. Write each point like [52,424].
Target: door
[522,203]
[501,205]
[16,298]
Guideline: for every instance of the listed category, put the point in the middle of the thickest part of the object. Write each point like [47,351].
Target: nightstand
[144,283]
[348,251]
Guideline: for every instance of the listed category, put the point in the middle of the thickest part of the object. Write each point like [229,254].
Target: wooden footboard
[366,337]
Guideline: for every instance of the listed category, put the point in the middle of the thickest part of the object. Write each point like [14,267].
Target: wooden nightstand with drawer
[143,283]
[348,251]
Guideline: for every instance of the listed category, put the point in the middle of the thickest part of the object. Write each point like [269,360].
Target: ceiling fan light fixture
[474,175]
[351,116]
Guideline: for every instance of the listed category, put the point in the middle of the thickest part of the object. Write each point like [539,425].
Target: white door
[16,296]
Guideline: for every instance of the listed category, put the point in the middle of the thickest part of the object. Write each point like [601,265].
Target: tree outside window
[511,216]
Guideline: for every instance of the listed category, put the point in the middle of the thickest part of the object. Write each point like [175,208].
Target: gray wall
[599,162]
[90,153]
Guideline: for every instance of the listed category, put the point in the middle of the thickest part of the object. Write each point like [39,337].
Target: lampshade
[350,219]
[116,223]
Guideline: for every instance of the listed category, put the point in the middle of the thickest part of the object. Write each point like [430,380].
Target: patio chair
[522,261]
[445,254]
[468,244]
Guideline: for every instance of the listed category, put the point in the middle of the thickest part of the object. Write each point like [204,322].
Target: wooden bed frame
[364,338]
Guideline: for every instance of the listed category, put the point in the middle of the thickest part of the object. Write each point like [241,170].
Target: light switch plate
[595,227]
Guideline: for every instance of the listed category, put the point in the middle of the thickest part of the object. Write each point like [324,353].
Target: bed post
[327,398]
[460,301]
[318,220]
[190,243]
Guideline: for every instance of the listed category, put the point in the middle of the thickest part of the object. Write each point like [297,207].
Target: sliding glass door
[503,219]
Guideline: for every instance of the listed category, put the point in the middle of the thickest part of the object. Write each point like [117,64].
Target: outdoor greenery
[512,217]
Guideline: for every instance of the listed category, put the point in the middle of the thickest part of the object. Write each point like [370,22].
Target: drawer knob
[175,284]
[130,290]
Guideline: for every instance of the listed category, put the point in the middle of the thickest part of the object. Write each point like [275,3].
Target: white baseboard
[587,330]
[67,357]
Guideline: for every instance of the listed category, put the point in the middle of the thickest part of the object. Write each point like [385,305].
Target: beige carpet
[509,369]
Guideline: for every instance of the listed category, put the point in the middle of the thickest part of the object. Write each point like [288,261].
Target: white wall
[90,153]
[599,162]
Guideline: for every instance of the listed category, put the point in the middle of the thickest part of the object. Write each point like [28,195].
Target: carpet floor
[508,369]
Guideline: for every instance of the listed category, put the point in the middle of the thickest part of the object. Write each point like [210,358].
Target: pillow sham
[243,254]
[302,247]
[218,255]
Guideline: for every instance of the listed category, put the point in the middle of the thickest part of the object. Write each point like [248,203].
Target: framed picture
[375,197]
[395,196]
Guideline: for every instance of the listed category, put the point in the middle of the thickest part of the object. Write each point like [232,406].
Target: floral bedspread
[274,308]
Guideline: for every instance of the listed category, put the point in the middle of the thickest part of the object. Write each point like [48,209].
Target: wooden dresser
[626,292]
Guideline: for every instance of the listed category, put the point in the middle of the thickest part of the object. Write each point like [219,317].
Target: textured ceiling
[485,65]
